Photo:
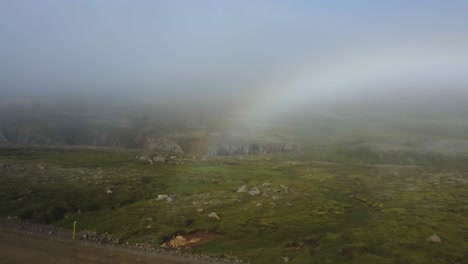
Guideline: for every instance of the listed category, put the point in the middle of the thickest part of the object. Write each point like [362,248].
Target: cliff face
[101,139]
[181,143]
[252,148]
[162,130]
[163,144]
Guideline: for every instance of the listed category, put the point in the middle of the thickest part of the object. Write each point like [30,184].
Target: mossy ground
[356,207]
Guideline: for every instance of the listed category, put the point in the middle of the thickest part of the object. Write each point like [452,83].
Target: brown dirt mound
[190,240]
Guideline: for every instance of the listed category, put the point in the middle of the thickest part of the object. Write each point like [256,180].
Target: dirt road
[21,248]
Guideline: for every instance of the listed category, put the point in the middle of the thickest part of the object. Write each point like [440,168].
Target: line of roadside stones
[105,239]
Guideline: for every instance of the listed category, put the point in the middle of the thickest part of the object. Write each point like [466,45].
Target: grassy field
[339,203]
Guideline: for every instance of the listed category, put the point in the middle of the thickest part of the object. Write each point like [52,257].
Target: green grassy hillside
[326,205]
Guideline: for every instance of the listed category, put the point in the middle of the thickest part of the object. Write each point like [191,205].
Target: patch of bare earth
[190,240]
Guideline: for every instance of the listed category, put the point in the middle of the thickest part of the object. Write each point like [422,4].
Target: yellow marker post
[74,230]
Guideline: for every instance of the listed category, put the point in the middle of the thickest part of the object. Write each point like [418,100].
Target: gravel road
[25,242]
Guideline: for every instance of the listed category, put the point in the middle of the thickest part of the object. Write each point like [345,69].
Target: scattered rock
[434,239]
[174,160]
[170,199]
[162,197]
[285,259]
[242,189]
[285,188]
[258,204]
[266,184]
[164,245]
[109,191]
[147,159]
[159,159]
[213,215]
[200,210]
[254,191]
[149,219]
[94,236]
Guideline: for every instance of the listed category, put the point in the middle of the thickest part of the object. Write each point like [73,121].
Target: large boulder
[163,144]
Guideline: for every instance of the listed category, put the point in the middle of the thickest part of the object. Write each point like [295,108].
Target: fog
[234,131]
[251,57]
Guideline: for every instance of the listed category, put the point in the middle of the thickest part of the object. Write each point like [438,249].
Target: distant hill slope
[216,131]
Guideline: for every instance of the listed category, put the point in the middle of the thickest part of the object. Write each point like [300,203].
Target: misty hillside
[233,78]
[171,128]
[195,129]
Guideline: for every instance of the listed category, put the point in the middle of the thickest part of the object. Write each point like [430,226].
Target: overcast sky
[267,52]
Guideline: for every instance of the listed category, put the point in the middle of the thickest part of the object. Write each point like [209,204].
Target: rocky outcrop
[232,148]
[101,139]
[159,159]
[29,138]
[163,144]
[124,137]
[254,191]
